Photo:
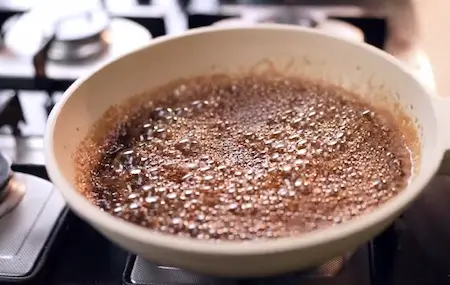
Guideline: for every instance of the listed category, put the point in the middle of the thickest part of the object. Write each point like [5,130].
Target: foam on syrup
[248,157]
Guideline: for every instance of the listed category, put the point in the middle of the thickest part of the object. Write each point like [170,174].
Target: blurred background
[46,44]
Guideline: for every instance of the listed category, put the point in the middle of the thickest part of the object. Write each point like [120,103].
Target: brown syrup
[247,158]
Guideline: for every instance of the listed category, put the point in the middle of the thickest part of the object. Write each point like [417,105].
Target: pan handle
[442,108]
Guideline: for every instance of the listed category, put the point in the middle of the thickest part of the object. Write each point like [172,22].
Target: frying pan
[359,67]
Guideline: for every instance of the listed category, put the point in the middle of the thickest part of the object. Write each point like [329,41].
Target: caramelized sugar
[248,157]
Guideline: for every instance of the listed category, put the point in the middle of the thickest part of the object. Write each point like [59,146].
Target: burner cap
[81,26]
[78,35]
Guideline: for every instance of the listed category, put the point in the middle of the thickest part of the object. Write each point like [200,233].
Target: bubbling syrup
[248,157]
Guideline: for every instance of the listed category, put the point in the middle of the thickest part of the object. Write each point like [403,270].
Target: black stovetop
[414,251]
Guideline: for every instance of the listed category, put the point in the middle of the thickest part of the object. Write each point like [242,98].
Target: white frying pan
[289,49]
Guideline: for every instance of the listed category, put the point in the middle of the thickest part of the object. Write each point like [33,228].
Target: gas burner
[120,36]
[290,16]
[76,37]
[13,193]
[80,37]
[30,209]
[11,190]
[284,15]
[332,26]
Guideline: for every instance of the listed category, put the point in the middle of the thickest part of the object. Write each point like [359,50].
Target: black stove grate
[373,28]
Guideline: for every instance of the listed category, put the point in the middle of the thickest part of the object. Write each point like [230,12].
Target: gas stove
[42,242]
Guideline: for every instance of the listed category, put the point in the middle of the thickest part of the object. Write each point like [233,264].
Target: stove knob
[5,173]
[12,190]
